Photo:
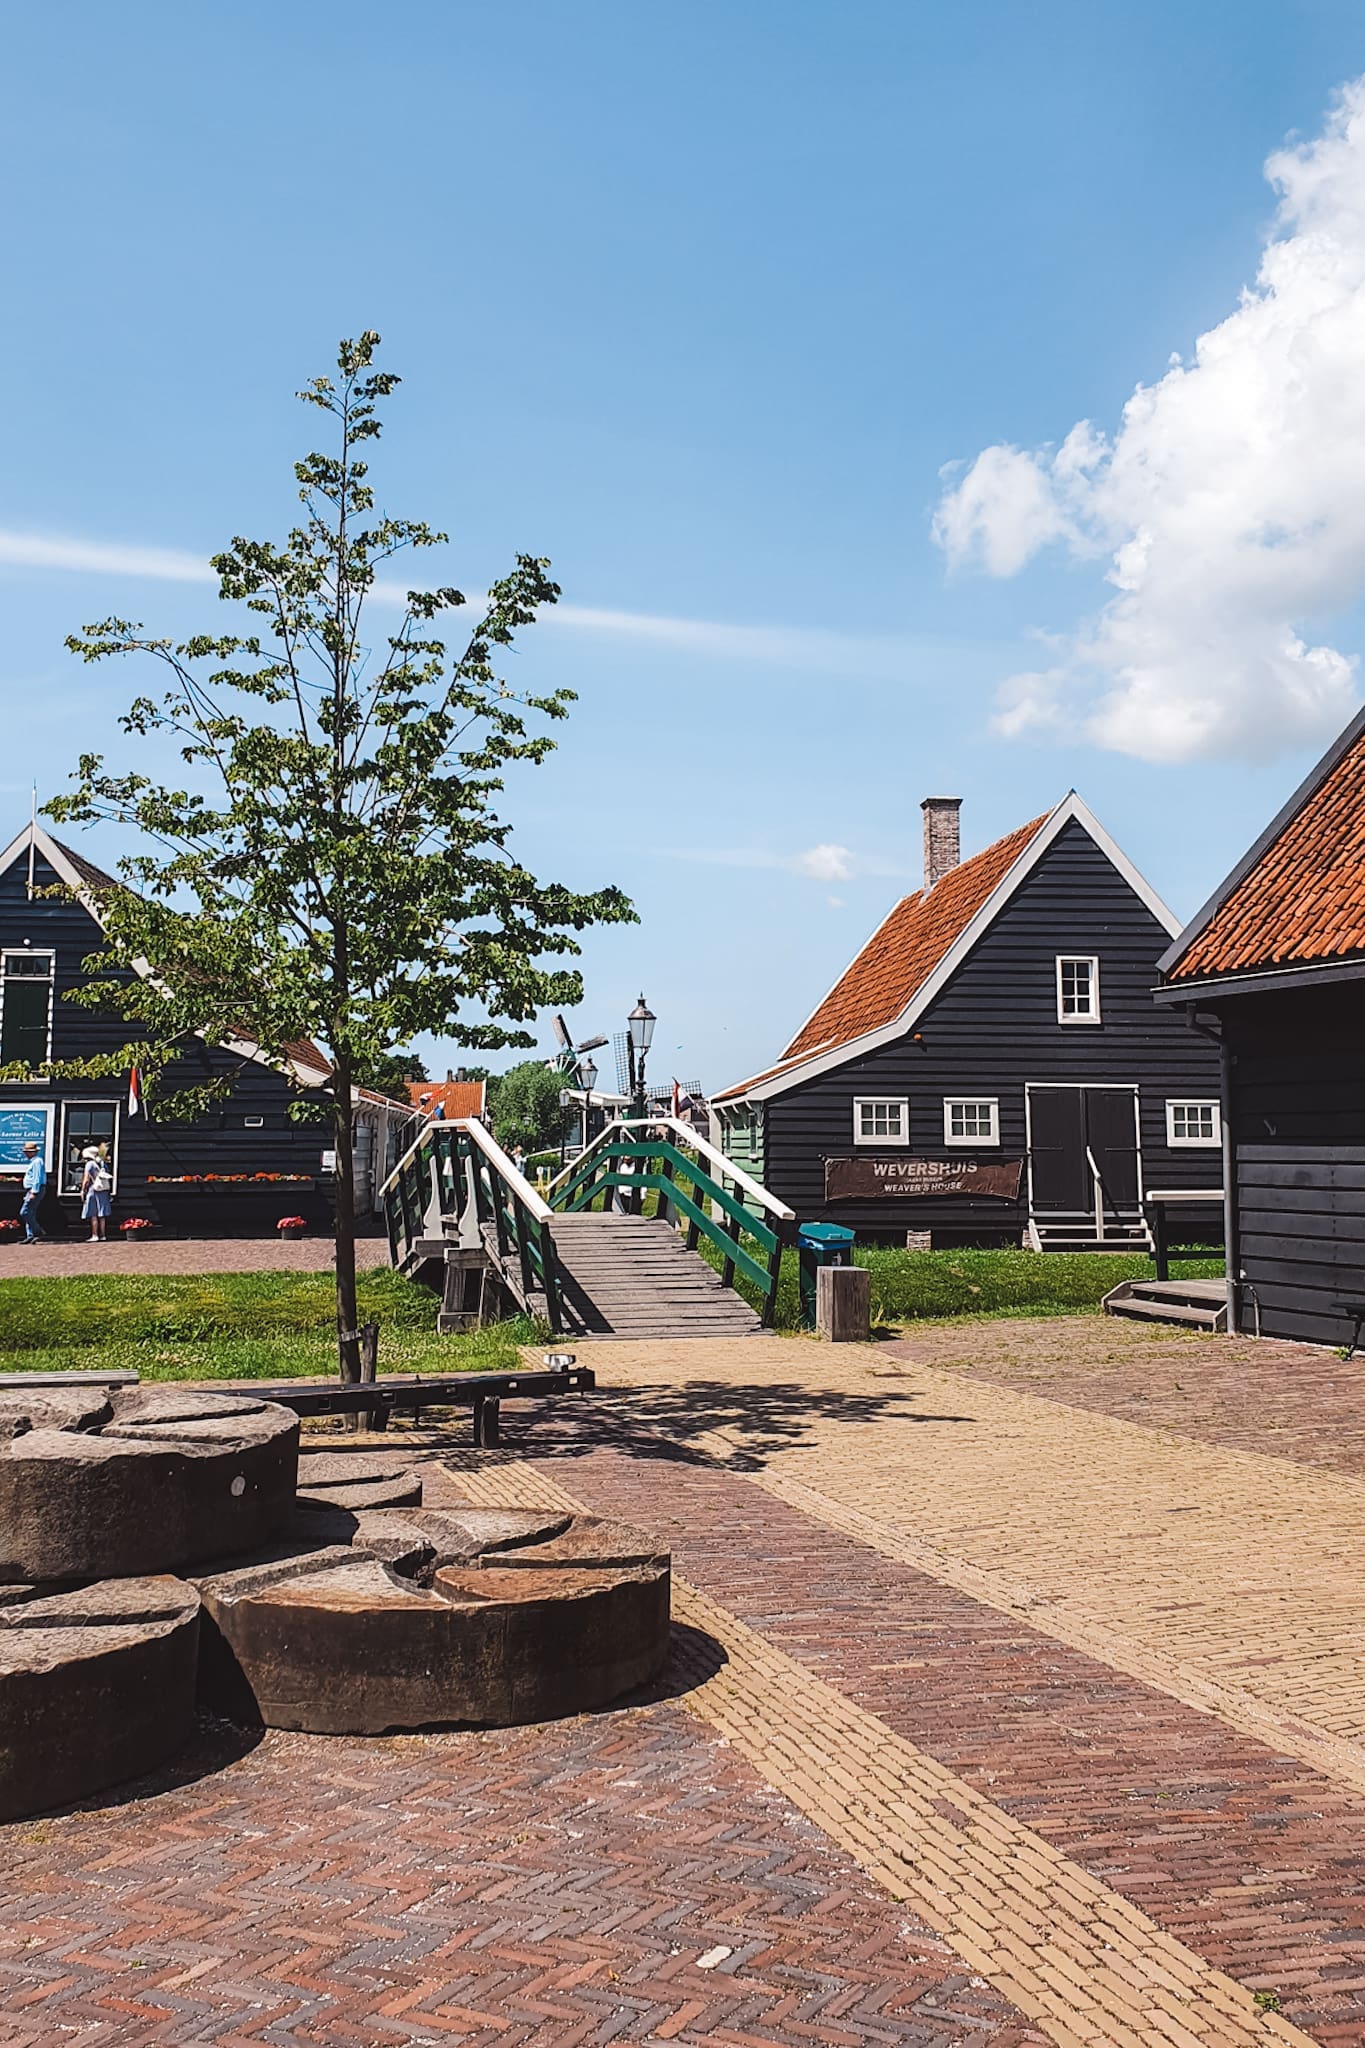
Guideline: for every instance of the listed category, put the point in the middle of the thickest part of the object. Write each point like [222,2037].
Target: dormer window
[1078,988]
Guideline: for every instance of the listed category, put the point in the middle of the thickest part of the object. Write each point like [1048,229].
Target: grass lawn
[909,1286]
[231,1326]
[281,1325]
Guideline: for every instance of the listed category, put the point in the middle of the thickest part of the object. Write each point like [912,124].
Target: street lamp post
[587,1075]
[641,1021]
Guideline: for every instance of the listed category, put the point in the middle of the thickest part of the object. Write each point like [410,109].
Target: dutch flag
[135,1107]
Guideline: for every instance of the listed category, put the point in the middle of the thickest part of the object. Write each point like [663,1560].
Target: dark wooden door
[1070,1125]
[1061,1177]
[1111,1130]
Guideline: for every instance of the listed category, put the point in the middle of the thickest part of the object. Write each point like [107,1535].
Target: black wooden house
[1274,967]
[239,1169]
[991,1068]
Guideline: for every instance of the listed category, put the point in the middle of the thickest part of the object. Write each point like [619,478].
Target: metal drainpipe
[1231,1245]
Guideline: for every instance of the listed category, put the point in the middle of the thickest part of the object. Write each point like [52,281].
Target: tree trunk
[348,1333]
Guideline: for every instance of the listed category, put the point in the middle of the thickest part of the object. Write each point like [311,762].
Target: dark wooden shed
[1273,968]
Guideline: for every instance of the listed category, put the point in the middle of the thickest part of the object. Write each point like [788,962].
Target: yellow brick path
[1077,1959]
[1234,1581]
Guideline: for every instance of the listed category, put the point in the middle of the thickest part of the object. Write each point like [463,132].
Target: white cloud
[1230,504]
[102,558]
[824,863]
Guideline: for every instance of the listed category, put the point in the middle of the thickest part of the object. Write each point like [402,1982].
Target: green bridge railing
[654,1164]
[694,1187]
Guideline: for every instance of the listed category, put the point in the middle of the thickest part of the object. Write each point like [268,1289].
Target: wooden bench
[404,1393]
[408,1393]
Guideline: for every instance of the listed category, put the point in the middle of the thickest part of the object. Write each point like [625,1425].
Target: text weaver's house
[992,1066]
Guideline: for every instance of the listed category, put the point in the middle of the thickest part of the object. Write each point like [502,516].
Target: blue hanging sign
[25,1126]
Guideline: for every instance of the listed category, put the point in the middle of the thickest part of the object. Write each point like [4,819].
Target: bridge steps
[633,1277]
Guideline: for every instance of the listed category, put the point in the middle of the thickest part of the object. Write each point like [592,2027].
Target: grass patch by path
[913,1286]
[232,1326]
[281,1325]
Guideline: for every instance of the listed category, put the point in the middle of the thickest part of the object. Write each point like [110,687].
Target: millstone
[474,1617]
[138,1480]
[96,1686]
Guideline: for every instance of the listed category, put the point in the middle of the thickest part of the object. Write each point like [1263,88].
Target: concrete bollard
[843,1304]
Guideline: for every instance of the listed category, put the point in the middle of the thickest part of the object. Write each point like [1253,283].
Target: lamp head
[642,1021]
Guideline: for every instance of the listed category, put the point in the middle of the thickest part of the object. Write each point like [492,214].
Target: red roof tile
[1304,899]
[899,957]
[458,1099]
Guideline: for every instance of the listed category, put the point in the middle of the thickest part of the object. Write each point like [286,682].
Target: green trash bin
[819,1244]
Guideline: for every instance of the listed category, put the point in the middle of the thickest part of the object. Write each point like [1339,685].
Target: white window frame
[48,953]
[960,1144]
[87,1102]
[900,1102]
[1194,1102]
[1092,961]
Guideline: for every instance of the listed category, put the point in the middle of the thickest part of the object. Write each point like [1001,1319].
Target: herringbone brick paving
[1073,1954]
[1297,1401]
[1244,1569]
[613,1878]
[906,1594]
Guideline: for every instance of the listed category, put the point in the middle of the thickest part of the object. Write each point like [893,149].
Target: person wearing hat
[97,1188]
[35,1180]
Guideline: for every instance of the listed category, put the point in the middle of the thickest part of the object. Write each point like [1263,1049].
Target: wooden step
[1135,1309]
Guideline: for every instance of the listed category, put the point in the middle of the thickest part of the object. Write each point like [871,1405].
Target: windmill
[565,1061]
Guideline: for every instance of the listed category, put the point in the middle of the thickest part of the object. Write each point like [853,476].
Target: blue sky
[700,303]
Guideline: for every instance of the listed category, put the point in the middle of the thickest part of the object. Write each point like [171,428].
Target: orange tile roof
[1304,899]
[899,957]
[457,1098]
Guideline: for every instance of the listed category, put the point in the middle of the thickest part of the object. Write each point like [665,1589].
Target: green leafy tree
[390,1073]
[335,866]
[525,1108]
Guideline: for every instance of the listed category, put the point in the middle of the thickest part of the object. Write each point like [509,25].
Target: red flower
[289,1223]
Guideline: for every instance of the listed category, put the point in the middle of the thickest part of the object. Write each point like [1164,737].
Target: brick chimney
[942,844]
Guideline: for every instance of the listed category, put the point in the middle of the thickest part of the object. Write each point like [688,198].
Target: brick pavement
[956,1639]
[1153,1541]
[1297,1401]
[613,1878]
[1072,1952]
[58,1258]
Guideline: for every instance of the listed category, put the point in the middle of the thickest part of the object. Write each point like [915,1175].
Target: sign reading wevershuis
[849,1180]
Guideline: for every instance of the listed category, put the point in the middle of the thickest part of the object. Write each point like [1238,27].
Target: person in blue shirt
[35,1180]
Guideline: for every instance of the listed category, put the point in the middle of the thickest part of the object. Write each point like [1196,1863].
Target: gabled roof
[908,946]
[458,1099]
[926,938]
[1297,897]
[307,1063]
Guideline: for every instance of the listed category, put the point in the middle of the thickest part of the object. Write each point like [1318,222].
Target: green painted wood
[634,1148]
[734,1252]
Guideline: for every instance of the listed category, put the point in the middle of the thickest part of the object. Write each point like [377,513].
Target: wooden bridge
[614,1248]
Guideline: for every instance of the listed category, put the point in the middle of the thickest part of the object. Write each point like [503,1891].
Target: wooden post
[843,1304]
